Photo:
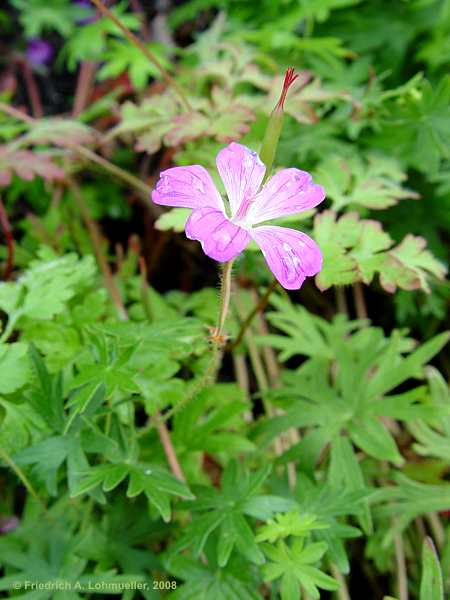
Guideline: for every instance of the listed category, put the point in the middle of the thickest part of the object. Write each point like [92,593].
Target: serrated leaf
[373,182]
[356,249]
[409,266]
[27,164]
[14,367]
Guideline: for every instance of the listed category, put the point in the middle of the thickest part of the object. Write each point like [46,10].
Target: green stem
[23,478]
[225,295]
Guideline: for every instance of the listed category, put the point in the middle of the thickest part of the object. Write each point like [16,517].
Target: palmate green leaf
[46,287]
[292,564]
[393,369]
[61,16]
[90,41]
[307,334]
[409,265]
[289,524]
[148,121]
[357,249]
[153,480]
[431,584]
[109,364]
[373,182]
[162,120]
[226,510]
[364,368]
[122,56]
[47,456]
[353,249]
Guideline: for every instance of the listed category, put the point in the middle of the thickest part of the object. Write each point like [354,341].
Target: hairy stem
[225,295]
[143,48]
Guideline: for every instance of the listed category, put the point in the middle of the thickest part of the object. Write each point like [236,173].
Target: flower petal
[290,254]
[220,239]
[242,172]
[288,192]
[187,187]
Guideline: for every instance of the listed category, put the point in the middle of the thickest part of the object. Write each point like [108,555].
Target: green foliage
[431,585]
[311,460]
[92,40]
[37,18]
[123,56]
[356,249]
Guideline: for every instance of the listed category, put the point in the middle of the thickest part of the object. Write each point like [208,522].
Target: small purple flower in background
[39,52]
[291,255]
[8,524]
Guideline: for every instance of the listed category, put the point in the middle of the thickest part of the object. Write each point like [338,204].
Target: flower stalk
[225,295]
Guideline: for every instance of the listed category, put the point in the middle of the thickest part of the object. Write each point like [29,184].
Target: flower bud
[275,124]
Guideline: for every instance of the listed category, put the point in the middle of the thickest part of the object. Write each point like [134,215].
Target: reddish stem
[83,90]
[4,222]
[33,90]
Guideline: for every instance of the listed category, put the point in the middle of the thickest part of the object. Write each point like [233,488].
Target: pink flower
[291,255]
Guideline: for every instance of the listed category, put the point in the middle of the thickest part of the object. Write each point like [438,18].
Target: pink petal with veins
[242,172]
[288,192]
[291,255]
[187,187]
[220,239]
